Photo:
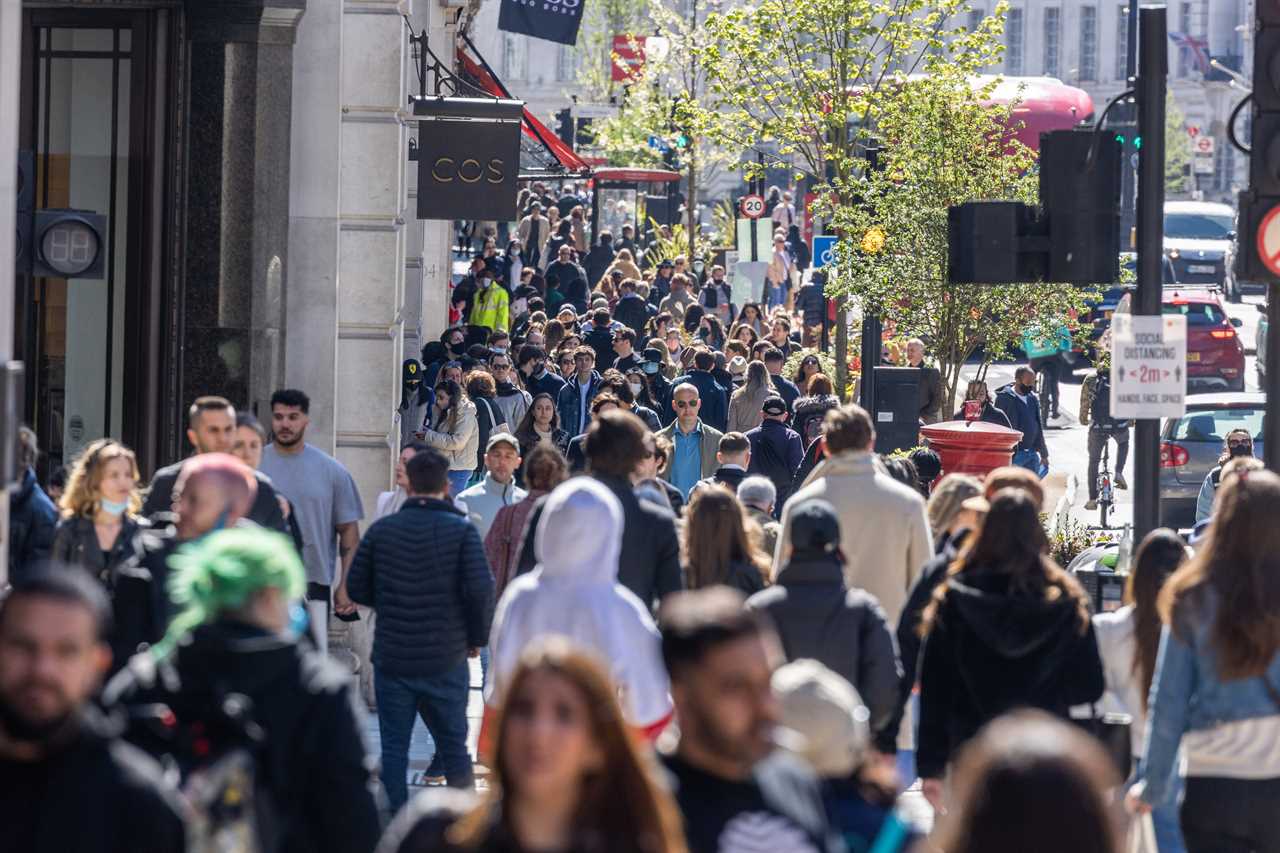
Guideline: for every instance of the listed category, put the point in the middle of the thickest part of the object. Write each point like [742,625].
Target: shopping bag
[1142,835]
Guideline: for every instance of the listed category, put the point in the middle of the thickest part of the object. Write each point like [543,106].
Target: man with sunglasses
[1238,443]
[513,400]
[694,443]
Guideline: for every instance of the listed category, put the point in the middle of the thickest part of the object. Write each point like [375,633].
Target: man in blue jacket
[1019,402]
[574,400]
[423,570]
[714,397]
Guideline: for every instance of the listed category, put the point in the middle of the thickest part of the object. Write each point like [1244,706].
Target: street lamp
[1236,77]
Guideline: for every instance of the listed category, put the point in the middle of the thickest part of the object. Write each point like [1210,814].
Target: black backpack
[1102,405]
[214,754]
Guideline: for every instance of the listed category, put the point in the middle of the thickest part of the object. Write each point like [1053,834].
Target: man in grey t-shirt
[325,502]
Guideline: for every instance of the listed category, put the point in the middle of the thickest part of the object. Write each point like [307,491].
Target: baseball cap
[774,406]
[502,438]
[652,354]
[815,527]
[568,309]
[666,264]
[411,371]
[828,715]
[738,365]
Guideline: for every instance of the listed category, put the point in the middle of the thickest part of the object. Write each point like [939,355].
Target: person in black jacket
[599,258]
[211,428]
[424,571]
[32,516]
[632,310]
[988,413]
[714,396]
[67,782]
[532,364]
[650,561]
[1007,629]
[237,636]
[599,336]
[818,616]
[733,455]
[572,278]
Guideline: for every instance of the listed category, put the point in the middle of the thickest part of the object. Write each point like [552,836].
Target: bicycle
[1106,488]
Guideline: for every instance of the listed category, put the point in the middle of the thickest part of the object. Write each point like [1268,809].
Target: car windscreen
[1197,226]
[1214,425]
[1197,313]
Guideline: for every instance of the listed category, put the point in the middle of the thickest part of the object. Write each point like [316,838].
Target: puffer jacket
[819,617]
[423,570]
[459,444]
[32,519]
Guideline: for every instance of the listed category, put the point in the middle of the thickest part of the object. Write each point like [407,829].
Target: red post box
[971,447]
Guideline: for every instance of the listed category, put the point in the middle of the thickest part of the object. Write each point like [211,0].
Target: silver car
[1191,445]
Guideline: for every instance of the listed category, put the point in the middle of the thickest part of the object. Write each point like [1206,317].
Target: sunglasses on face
[497,365]
[686,404]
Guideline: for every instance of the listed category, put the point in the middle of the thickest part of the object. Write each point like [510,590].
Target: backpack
[1102,405]
[214,754]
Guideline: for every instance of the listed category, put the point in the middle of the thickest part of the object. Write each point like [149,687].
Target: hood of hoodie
[235,656]
[1012,626]
[579,535]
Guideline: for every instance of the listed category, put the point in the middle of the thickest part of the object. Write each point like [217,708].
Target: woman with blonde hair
[100,510]
[625,262]
[745,404]
[567,773]
[717,548]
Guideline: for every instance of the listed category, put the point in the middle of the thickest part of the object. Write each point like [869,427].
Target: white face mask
[636,388]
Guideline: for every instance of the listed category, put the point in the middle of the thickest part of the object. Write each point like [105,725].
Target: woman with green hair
[236,592]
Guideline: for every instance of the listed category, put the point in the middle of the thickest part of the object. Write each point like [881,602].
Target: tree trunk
[842,348]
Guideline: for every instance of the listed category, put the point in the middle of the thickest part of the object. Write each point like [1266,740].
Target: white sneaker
[1091,504]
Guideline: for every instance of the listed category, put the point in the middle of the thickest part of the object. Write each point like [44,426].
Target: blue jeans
[442,699]
[458,481]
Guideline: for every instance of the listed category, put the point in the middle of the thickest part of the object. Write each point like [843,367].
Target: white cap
[828,713]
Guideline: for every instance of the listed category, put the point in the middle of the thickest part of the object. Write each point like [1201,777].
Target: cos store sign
[468,157]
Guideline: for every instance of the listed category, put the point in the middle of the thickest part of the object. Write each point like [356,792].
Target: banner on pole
[552,20]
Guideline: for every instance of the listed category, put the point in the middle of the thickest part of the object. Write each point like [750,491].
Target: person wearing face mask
[532,363]
[657,385]
[1020,404]
[237,633]
[100,511]
[1237,444]
[415,400]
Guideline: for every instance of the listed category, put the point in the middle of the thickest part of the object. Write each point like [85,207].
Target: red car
[1215,355]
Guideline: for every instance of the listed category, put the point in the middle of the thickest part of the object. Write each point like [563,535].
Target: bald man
[213,491]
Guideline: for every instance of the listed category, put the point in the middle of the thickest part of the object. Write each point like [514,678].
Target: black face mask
[1240,450]
[1025,389]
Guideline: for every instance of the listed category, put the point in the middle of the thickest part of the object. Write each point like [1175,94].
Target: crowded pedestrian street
[575,428]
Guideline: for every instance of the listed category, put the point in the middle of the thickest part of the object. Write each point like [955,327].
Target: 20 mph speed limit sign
[752,206]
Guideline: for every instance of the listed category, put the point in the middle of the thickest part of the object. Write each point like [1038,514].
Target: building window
[1122,41]
[1052,31]
[514,55]
[1013,42]
[1088,69]
[567,64]
[1184,24]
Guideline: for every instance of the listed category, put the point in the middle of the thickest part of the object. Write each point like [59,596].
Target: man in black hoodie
[599,258]
[572,278]
[67,782]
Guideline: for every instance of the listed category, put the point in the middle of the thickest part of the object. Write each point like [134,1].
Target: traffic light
[1080,194]
[1263,195]
[564,126]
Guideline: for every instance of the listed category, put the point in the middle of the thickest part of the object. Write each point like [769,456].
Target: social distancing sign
[1148,366]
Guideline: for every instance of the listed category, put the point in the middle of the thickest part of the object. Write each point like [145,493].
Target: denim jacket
[1188,694]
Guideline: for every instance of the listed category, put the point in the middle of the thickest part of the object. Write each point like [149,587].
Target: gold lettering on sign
[435,174]
[496,175]
[469,163]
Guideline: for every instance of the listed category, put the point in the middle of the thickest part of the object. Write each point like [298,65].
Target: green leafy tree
[820,79]
[944,152]
[1177,147]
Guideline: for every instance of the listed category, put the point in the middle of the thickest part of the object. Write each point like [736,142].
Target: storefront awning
[542,153]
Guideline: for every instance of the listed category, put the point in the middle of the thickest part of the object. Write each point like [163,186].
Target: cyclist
[1095,410]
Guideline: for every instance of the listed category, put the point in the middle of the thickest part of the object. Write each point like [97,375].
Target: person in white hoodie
[1128,640]
[573,591]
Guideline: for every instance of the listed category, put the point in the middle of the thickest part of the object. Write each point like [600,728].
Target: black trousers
[1231,815]
[1050,388]
[1097,439]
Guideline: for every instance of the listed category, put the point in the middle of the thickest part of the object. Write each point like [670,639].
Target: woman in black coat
[1007,629]
[977,390]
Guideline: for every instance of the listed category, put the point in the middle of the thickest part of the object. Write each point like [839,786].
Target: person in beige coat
[745,405]
[884,533]
[452,429]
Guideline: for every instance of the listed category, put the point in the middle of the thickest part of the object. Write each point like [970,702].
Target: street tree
[942,149]
[820,80]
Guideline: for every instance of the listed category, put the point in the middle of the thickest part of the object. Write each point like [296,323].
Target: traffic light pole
[1153,71]
[1125,118]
